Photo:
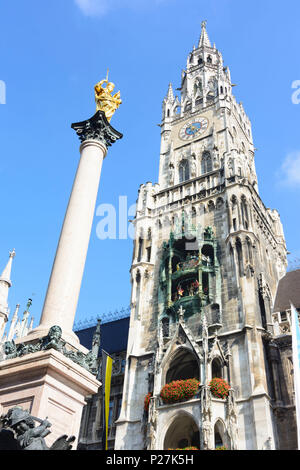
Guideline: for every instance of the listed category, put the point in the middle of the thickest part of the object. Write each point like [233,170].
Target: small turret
[169,103]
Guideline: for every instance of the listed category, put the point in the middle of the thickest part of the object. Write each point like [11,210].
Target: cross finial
[203,24]
[12,254]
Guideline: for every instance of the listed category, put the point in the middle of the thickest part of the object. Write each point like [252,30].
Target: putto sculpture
[19,432]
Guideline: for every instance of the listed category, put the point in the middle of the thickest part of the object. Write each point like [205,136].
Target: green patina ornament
[53,340]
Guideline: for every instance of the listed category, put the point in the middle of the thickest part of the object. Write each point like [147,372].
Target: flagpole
[107,361]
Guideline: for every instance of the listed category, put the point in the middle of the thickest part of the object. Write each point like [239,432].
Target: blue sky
[53,52]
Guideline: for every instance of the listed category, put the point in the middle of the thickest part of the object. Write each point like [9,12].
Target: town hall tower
[208,256]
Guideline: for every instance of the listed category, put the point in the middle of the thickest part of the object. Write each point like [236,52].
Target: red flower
[184,448]
[147,401]
[219,387]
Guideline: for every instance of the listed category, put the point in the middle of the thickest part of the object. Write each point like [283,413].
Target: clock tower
[207,258]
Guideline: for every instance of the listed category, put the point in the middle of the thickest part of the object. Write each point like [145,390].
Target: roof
[288,291]
[114,336]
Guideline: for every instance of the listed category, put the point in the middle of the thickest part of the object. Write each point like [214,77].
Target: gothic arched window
[140,249]
[231,257]
[183,366]
[206,164]
[244,211]
[165,323]
[220,435]
[216,369]
[249,249]
[262,308]
[184,171]
[239,252]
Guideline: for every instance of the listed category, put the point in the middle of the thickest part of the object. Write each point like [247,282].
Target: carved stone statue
[232,424]
[230,167]
[193,167]
[105,101]
[215,158]
[206,432]
[152,424]
[26,436]
[233,430]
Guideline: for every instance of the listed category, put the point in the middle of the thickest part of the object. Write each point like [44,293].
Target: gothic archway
[182,432]
[216,368]
[220,435]
[184,365]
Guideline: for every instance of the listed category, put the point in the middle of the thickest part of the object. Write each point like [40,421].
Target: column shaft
[65,281]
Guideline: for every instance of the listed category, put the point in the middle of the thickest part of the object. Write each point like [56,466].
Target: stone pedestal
[47,384]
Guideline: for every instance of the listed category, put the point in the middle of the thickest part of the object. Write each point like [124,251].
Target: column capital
[97,128]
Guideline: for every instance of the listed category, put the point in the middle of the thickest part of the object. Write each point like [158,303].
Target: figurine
[180,291]
[19,426]
[28,436]
[53,339]
[105,101]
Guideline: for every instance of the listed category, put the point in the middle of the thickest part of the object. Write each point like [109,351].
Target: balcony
[191,304]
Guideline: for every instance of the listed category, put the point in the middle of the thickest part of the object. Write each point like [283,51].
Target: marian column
[95,134]
[48,371]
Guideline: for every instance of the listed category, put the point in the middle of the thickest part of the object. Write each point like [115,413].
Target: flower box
[179,390]
[185,448]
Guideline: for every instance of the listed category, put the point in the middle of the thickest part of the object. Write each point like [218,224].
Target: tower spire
[170,94]
[204,39]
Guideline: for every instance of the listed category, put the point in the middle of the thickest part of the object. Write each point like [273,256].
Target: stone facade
[114,336]
[208,256]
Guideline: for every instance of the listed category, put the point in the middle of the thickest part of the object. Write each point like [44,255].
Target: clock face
[193,127]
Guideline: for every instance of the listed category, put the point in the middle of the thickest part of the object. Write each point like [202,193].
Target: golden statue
[105,101]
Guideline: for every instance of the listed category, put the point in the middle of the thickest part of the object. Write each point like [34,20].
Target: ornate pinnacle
[12,254]
[204,39]
[181,313]
[29,303]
